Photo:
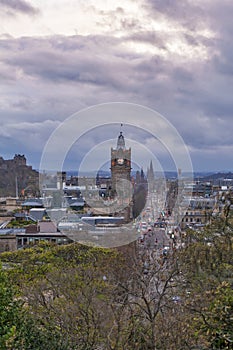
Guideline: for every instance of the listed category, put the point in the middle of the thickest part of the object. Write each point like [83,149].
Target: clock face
[120,161]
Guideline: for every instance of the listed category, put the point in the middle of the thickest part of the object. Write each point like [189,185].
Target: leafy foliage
[9,309]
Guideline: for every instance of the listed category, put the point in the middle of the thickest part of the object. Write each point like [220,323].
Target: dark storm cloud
[12,7]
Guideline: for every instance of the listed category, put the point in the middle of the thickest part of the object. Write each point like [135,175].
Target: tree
[78,297]
[216,321]
[9,313]
[65,295]
[207,272]
[18,328]
[141,299]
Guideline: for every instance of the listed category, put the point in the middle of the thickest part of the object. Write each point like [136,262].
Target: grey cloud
[223,60]
[12,7]
[130,24]
[75,62]
[219,19]
[183,11]
[26,137]
[150,37]
[119,18]
[56,76]
[6,74]
[183,75]
[100,62]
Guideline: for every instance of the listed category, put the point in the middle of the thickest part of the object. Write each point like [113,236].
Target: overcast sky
[58,57]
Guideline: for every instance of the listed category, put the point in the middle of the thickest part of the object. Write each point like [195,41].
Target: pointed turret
[121,142]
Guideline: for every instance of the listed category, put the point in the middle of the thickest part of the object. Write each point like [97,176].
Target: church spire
[150,172]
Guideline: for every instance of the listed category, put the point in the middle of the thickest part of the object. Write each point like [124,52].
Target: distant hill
[219,176]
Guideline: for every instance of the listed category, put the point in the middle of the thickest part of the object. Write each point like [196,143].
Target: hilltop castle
[17,178]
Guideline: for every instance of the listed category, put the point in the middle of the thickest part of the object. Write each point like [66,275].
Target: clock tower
[121,175]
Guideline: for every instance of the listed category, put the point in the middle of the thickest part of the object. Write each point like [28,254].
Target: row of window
[192,220]
[195,213]
[21,242]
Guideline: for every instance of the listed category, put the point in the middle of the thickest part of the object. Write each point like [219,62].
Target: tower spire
[121,141]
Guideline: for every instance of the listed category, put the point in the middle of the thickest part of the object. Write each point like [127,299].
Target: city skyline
[174,57]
